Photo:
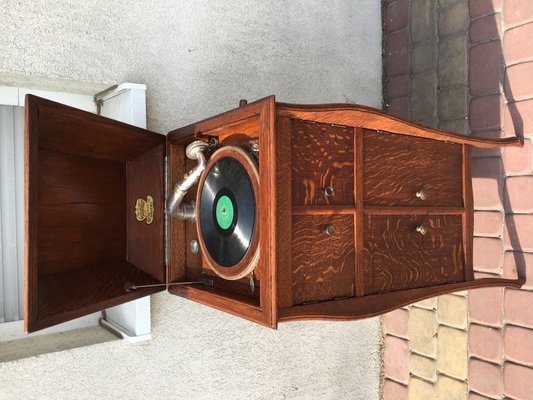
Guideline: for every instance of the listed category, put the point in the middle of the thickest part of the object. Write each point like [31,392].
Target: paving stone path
[467,67]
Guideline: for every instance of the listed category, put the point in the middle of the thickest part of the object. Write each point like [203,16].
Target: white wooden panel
[9,95]
[8,216]
[18,119]
[81,101]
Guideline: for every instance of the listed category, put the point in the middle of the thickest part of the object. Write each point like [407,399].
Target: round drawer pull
[328,191]
[329,230]
[422,194]
[422,229]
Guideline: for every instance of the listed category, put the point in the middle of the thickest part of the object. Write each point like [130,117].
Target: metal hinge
[101,96]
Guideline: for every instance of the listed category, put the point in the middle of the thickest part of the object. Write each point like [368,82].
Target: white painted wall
[199,58]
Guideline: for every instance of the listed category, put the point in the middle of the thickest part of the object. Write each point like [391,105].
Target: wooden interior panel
[237,132]
[77,180]
[145,242]
[322,155]
[323,266]
[81,213]
[176,227]
[396,256]
[88,135]
[396,167]
[83,291]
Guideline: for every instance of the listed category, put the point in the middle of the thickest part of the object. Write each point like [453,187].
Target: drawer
[323,265]
[397,167]
[396,255]
[322,156]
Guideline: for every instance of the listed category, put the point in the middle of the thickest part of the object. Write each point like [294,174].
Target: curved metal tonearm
[175,207]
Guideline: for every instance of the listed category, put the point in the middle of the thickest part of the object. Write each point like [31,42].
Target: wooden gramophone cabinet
[359,213]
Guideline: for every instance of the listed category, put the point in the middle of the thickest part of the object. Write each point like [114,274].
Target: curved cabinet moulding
[372,118]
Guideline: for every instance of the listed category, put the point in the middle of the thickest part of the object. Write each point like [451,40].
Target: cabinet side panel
[283,212]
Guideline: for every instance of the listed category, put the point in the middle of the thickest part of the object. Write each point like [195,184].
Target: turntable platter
[227,213]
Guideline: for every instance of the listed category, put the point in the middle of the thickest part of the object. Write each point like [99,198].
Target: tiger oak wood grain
[372,305]
[284,213]
[396,256]
[396,167]
[322,155]
[323,266]
[468,216]
[358,217]
[356,115]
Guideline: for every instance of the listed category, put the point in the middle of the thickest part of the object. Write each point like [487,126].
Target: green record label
[224,212]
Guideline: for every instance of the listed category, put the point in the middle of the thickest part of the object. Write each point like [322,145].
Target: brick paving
[467,67]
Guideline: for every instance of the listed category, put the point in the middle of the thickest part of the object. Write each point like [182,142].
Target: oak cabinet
[359,213]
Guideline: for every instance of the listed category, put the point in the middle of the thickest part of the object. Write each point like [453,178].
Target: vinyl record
[227,213]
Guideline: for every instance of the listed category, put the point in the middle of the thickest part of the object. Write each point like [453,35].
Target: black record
[227,212]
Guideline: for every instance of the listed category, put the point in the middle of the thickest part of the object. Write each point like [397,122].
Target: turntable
[275,212]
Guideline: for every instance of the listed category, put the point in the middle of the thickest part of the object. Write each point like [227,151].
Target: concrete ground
[467,67]
[198,59]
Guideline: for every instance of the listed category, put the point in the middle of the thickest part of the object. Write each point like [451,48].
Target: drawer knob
[328,191]
[329,230]
[422,229]
[422,194]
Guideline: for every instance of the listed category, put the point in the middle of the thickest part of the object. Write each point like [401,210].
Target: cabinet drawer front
[323,266]
[397,255]
[322,156]
[408,171]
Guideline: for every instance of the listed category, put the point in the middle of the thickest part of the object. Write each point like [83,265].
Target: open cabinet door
[94,212]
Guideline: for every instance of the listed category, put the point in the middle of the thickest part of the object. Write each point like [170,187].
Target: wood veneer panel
[358,217]
[81,212]
[396,256]
[283,212]
[75,293]
[468,216]
[323,266]
[73,131]
[145,242]
[381,210]
[31,204]
[359,116]
[369,306]
[176,227]
[322,155]
[396,167]
[323,210]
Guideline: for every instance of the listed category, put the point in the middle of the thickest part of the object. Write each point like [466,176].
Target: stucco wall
[199,58]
